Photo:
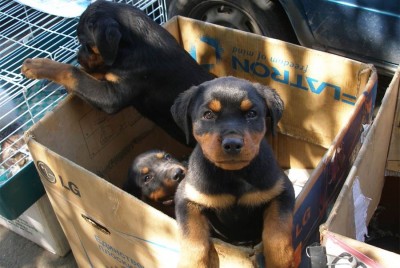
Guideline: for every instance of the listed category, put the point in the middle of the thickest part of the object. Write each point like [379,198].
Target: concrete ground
[19,252]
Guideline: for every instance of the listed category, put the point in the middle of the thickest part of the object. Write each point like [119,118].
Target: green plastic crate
[20,192]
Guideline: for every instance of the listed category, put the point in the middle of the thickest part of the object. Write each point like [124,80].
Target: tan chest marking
[225,200]
[261,197]
[208,200]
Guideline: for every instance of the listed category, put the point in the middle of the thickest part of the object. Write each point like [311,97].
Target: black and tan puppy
[154,177]
[234,186]
[127,59]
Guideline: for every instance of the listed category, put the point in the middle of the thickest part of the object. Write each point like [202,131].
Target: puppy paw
[39,68]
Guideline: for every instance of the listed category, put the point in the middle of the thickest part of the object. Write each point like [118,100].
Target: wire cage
[29,33]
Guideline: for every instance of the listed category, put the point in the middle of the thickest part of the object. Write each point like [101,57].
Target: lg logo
[49,175]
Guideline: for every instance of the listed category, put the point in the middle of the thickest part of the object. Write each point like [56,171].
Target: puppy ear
[131,185]
[274,102]
[181,111]
[107,37]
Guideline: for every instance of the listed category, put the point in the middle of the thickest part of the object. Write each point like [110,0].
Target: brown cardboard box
[361,193]
[83,154]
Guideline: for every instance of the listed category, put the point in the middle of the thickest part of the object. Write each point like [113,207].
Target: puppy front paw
[39,68]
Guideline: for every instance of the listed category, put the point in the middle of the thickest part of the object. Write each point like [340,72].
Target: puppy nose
[232,145]
[179,174]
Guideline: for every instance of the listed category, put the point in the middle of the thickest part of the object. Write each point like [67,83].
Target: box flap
[89,135]
[368,171]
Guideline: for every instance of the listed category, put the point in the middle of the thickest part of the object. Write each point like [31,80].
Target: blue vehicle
[365,30]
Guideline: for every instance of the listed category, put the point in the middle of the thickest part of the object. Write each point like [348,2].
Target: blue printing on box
[20,192]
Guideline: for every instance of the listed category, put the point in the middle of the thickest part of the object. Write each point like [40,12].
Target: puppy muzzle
[89,60]
[178,174]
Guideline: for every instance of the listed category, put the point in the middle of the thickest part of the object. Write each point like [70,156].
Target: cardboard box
[40,225]
[83,162]
[361,193]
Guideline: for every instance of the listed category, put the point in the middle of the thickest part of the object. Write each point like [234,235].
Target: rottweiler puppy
[154,177]
[126,59]
[234,187]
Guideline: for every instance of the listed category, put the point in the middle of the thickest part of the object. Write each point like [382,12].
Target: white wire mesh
[28,33]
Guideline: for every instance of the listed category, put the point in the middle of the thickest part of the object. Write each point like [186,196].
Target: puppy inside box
[154,177]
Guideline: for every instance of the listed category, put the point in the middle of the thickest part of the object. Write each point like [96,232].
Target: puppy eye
[147,178]
[208,115]
[167,157]
[251,114]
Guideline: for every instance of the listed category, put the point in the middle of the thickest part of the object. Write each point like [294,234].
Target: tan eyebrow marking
[95,50]
[246,105]
[145,170]
[159,155]
[215,105]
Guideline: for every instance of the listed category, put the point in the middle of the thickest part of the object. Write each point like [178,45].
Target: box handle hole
[95,224]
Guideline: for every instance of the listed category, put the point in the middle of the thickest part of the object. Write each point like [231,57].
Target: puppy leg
[101,94]
[277,236]
[42,68]
[194,236]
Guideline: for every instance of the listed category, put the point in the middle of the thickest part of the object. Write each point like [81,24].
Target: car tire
[263,17]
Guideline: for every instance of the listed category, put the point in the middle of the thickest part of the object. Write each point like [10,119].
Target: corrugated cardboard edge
[368,168]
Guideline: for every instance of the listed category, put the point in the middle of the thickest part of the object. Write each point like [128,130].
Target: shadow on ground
[17,251]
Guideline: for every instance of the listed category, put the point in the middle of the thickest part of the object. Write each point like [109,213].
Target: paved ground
[18,252]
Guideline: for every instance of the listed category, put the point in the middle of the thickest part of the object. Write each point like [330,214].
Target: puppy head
[155,176]
[228,118]
[99,35]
